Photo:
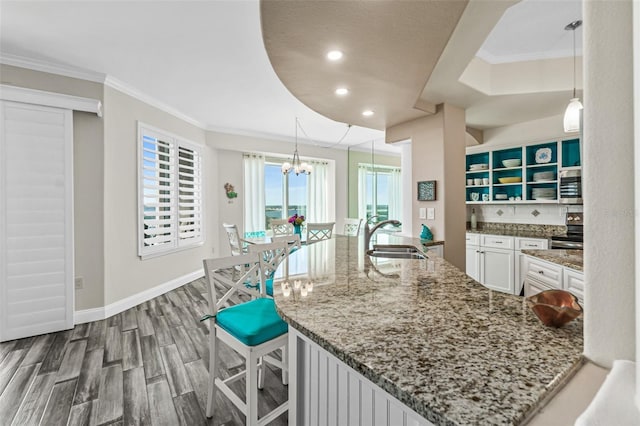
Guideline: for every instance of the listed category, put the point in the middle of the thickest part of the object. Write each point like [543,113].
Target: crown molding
[125,88]
[492,59]
[51,68]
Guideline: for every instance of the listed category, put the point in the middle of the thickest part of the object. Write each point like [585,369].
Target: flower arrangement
[296,220]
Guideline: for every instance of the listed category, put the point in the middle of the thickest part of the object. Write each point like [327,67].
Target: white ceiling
[206,59]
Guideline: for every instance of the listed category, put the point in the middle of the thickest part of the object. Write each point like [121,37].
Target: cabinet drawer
[497,241]
[531,244]
[473,239]
[545,272]
[574,282]
[532,287]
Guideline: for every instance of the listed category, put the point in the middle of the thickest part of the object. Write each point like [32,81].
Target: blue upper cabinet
[571,153]
[519,174]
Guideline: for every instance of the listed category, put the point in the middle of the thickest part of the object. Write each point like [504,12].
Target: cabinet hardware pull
[498,242]
[541,272]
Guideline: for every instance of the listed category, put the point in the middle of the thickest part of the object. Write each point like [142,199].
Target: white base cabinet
[496,262]
[542,275]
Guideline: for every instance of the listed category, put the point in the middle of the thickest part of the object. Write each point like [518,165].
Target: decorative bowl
[555,308]
[512,179]
[501,196]
[514,162]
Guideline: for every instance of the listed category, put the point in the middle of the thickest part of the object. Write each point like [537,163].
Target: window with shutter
[170,192]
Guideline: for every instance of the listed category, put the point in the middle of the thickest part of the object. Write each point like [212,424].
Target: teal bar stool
[253,329]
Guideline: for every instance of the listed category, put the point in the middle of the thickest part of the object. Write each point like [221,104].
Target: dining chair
[319,231]
[281,227]
[253,329]
[237,245]
[352,227]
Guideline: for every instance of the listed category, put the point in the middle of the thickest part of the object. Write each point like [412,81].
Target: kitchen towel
[614,404]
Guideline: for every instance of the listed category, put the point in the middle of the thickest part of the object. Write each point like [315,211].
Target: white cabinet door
[497,269]
[36,219]
[532,287]
[473,262]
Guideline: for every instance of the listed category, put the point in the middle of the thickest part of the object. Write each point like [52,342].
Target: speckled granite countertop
[570,258]
[522,230]
[447,347]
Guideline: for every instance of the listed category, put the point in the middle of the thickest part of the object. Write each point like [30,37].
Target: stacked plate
[543,176]
[480,166]
[543,193]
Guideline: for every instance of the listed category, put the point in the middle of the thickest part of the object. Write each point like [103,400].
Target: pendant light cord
[574,62]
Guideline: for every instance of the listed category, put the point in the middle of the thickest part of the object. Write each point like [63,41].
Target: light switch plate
[431,213]
[422,212]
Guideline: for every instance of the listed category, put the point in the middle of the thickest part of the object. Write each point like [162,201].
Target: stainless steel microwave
[571,186]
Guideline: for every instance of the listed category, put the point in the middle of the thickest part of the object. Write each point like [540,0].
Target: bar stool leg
[285,364]
[251,390]
[213,370]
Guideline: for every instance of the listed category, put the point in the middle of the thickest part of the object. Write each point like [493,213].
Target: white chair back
[319,231]
[222,273]
[352,226]
[270,256]
[235,243]
[281,227]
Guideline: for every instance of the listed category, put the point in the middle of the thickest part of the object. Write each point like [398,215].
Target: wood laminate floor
[144,366]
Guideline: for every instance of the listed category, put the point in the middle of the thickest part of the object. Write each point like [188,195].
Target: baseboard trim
[96,314]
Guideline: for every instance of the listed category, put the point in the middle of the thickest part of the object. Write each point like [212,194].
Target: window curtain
[254,197]
[395,194]
[319,192]
[363,169]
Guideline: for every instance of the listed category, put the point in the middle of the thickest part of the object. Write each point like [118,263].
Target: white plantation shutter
[36,220]
[190,196]
[170,192]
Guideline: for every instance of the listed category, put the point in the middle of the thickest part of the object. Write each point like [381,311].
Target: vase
[297,229]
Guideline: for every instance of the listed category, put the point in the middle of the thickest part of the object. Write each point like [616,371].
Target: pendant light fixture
[572,113]
[295,165]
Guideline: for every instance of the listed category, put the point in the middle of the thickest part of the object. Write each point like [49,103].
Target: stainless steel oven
[574,239]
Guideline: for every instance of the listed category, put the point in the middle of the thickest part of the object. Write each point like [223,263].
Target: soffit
[390,49]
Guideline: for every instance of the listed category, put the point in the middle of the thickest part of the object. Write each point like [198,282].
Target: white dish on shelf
[538,176]
[543,155]
[542,180]
[543,198]
[513,162]
[501,196]
[480,166]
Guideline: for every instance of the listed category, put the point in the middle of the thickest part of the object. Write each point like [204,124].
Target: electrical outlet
[79,283]
[422,212]
[431,213]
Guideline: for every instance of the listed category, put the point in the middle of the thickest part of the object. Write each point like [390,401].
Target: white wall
[125,273]
[542,130]
[608,182]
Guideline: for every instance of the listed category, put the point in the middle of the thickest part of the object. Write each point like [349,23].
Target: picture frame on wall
[427,190]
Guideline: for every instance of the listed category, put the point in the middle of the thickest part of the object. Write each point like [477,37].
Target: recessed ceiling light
[334,55]
[367,112]
[341,91]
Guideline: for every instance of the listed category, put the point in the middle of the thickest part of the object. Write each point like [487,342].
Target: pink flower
[296,220]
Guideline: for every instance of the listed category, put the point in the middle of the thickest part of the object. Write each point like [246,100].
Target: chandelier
[295,165]
[572,113]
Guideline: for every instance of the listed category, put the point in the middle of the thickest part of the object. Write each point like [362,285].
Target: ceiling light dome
[341,91]
[367,113]
[334,55]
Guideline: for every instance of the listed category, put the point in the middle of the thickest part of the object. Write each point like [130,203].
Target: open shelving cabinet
[535,180]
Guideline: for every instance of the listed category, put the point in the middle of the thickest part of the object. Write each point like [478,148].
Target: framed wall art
[427,190]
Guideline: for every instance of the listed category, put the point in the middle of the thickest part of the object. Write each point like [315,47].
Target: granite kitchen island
[414,341]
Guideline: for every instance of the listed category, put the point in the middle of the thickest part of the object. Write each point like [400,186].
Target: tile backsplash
[536,214]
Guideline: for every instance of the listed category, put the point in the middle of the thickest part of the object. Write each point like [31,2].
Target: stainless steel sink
[396,252]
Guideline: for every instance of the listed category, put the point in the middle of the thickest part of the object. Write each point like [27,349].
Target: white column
[610,323]
[636,110]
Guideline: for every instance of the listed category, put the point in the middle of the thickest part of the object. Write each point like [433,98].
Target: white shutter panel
[36,220]
[158,183]
[189,196]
